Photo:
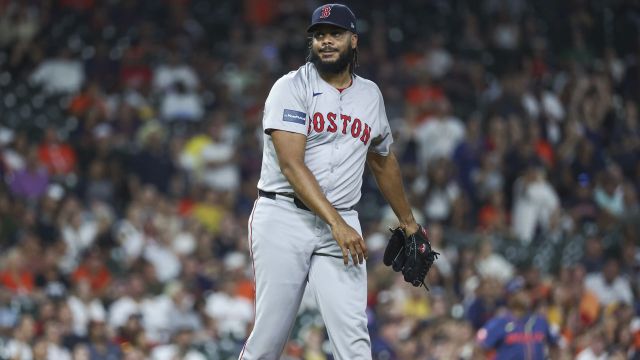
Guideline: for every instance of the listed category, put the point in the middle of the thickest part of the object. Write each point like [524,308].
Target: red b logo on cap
[326,11]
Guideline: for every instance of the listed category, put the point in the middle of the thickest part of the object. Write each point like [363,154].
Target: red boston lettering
[366,134]
[318,122]
[345,122]
[332,122]
[356,126]
[522,338]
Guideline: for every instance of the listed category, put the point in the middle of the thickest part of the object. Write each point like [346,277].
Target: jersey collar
[327,85]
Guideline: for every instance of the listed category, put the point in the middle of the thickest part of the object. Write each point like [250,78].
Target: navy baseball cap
[334,14]
[514,285]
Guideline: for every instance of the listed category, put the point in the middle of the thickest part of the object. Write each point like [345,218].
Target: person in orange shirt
[588,305]
[95,272]
[493,216]
[15,276]
[57,156]
[89,102]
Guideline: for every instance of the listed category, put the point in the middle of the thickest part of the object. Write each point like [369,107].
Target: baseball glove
[394,252]
[410,254]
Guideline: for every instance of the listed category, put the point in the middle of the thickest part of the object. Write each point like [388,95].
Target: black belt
[298,203]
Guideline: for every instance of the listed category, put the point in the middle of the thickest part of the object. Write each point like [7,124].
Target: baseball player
[322,123]
[519,333]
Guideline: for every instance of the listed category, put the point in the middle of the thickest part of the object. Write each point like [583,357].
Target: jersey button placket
[334,151]
[334,154]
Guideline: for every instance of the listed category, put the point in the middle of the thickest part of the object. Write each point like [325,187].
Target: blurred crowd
[130,148]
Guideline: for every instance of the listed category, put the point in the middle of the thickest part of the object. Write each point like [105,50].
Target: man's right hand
[350,242]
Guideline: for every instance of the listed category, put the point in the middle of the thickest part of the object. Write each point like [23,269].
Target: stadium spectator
[492,265]
[16,276]
[30,182]
[19,346]
[211,157]
[441,193]
[56,154]
[485,302]
[596,349]
[53,338]
[439,134]
[100,344]
[15,147]
[231,312]
[84,306]
[132,300]
[181,104]
[536,203]
[179,348]
[519,333]
[153,165]
[93,270]
[172,72]
[609,285]
[61,74]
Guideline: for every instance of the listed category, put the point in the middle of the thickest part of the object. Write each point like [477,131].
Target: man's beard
[334,67]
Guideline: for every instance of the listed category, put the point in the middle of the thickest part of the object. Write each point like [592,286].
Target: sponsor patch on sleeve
[297,117]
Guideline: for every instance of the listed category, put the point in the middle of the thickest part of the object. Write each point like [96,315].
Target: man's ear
[354,41]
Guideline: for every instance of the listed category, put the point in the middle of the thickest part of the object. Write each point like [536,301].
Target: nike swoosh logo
[316,94]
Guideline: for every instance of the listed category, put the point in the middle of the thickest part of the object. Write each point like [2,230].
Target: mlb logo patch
[294,116]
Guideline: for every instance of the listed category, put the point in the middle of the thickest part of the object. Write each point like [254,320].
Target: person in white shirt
[441,191]
[596,349]
[211,156]
[130,235]
[19,346]
[437,60]
[181,104]
[493,265]
[133,302]
[165,75]
[539,103]
[13,149]
[535,203]
[609,286]
[53,336]
[439,135]
[84,307]
[232,313]
[79,230]
[159,253]
[170,311]
[61,74]
[179,348]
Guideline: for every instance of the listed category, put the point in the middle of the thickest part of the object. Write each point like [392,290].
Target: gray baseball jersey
[341,127]
[292,247]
